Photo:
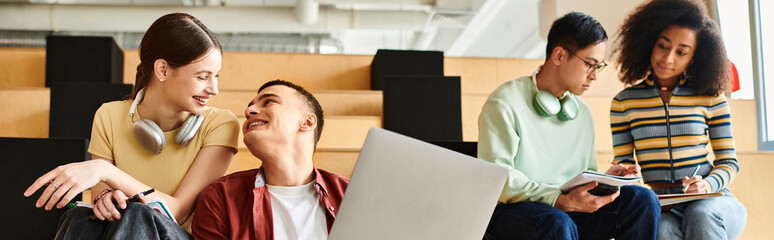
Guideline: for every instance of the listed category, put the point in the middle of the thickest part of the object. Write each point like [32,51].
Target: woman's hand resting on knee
[105,206]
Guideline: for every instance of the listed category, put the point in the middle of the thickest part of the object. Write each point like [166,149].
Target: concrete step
[28,108]
[334,102]
[25,112]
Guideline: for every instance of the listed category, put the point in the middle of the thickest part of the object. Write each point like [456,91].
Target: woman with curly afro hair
[672,58]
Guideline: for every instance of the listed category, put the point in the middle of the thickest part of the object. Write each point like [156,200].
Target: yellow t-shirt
[112,137]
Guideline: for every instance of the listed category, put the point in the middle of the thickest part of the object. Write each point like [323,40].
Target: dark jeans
[633,215]
[138,221]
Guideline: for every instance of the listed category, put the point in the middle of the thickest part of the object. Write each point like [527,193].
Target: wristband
[102,194]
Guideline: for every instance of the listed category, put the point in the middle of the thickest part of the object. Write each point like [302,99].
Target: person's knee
[558,221]
[75,222]
[75,216]
[703,212]
[669,227]
[641,201]
[135,210]
[135,206]
[641,196]
[528,220]
[640,193]
[76,213]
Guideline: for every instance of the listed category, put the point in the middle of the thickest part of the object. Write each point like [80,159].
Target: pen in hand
[138,196]
[696,171]
[135,198]
[627,169]
[685,188]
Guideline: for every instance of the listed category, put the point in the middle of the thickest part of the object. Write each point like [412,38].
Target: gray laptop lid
[403,188]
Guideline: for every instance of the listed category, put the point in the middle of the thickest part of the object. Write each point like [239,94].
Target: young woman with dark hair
[163,145]
[672,57]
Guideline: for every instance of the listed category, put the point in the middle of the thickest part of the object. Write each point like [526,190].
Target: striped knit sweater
[670,139]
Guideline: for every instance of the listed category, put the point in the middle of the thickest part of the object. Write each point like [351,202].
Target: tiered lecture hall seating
[342,83]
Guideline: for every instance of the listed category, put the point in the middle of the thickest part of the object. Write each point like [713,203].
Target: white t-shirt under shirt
[297,213]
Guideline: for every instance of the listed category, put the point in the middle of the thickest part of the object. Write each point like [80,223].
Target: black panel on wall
[28,159]
[403,62]
[73,106]
[467,148]
[423,107]
[83,59]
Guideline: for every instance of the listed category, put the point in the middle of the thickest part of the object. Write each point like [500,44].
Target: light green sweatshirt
[541,153]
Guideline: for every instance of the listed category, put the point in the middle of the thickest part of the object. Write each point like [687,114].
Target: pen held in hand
[627,169]
[685,188]
[135,198]
[138,196]
[696,171]
[79,204]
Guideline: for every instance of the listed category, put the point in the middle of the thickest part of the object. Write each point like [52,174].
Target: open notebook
[608,184]
[669,199]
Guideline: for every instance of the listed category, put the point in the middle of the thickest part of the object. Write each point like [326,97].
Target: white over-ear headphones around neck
[152,138]
[547,105]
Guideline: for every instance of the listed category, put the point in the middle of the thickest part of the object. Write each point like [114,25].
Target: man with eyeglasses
[537,128]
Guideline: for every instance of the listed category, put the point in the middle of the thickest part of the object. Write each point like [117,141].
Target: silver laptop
[403,188]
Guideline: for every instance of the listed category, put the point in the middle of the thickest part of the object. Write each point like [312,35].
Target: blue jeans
[138,221]
[721,217]
[633,215]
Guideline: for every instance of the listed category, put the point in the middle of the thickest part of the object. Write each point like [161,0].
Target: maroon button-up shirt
[238,206]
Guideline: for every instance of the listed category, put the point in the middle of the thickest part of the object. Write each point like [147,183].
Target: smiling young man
[287,198]
[537,127]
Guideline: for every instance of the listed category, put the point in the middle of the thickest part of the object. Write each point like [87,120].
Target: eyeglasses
[592,67]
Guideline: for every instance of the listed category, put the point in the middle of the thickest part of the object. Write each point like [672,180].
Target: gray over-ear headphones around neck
[547,105]
[150,135]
